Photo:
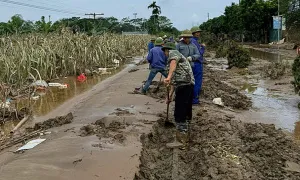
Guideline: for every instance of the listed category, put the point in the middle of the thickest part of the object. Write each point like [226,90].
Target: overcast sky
[183,13]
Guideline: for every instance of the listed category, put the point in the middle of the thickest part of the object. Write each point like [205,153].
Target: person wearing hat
[151,44]
[188,49]
[165,37]
[180,76]
[157,61]
[198,65]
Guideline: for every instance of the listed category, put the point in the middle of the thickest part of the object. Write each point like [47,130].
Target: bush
[296,73]
[221,52]
[276,70]
[238,56]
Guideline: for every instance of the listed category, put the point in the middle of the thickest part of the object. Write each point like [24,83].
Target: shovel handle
[168,104]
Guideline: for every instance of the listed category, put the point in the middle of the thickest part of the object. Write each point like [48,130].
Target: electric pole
[208,16]
[94,15]
[135,21]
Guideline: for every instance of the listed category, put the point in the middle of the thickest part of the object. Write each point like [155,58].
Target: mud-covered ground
[214,86]
[219,146]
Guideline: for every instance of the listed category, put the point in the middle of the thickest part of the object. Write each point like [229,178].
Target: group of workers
[182,66]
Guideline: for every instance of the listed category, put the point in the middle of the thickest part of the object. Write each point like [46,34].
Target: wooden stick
[20,124]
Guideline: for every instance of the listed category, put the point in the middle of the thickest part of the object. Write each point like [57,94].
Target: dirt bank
[221,148]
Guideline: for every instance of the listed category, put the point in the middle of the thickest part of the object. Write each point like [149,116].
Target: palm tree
[156,11]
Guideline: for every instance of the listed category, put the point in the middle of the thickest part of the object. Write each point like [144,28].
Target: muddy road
[115,134]
[69,153]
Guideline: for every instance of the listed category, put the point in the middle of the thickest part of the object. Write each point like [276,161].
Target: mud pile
[53,122]
[221,148]
[113,131]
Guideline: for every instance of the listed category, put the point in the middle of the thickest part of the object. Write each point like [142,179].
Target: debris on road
[31,144]
[133,70]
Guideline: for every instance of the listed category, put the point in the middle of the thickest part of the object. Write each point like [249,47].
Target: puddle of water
[260,54]
[249,88]
[8,126]
[54,97]
[273,107]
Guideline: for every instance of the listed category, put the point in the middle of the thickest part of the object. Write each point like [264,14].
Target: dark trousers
[183,103]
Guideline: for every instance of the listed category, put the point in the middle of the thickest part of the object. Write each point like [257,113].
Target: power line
[39,7]
[61,4]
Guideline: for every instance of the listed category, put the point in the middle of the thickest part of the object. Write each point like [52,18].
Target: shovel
[157,87]
[167,122]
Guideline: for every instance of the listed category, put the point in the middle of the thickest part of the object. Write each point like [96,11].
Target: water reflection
[249,88]
[272,107]
[53,96]
[260,54]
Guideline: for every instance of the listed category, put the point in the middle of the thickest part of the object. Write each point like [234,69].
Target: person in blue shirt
[151,44]
[198,66]
[157,60]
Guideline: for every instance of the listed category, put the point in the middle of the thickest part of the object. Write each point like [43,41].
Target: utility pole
[135,21]
[208,16]
[94,15]
[49,18]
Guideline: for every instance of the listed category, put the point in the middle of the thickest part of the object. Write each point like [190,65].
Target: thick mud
[53,122]
[112,132]
[218,145]
[221,148]
[214,86]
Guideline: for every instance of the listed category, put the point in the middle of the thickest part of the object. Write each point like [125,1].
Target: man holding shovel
[180,75]
[157,61]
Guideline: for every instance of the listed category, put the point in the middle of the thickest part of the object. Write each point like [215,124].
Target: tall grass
[50,56]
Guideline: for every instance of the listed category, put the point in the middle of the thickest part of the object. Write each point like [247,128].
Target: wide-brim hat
[186,35]
[152,39]
[159,41]
[196,30]
[169,45]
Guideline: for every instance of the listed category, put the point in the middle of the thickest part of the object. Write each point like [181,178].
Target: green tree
[153,23]
[42,25]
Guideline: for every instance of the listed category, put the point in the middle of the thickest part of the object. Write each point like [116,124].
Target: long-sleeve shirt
[150,46]
[188,50]
[200,48]
[157,58]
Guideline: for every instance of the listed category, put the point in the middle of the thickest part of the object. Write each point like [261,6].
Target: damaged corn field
[50,56]
[29,58]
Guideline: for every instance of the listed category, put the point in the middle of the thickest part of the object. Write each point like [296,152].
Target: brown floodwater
[261,54]
[53,97]
[273,107]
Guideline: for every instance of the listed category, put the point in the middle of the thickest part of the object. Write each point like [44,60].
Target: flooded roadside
[274,101]
[272,107]
[53,97]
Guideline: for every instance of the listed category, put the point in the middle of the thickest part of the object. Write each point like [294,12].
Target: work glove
[190,59]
